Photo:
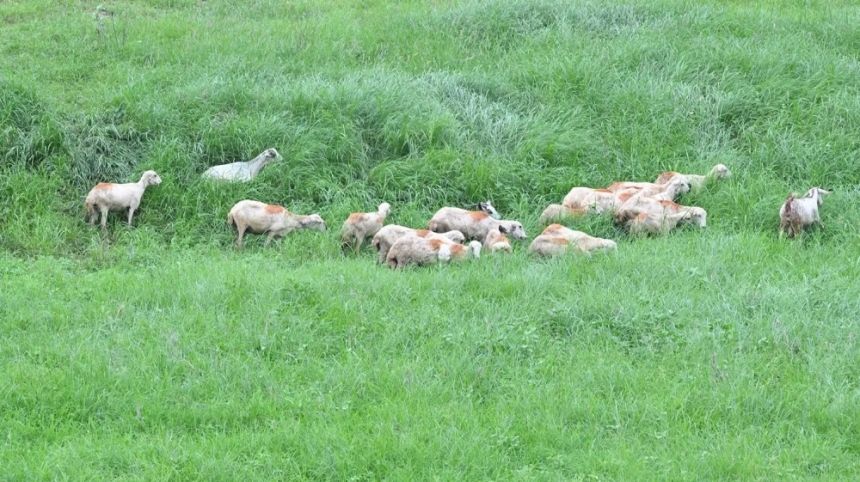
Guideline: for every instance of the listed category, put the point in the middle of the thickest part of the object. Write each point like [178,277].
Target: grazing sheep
[668,191]
[242,171]
[106,197]
[390,233]
[559,212]
[652,216]
[796,213]
[423,251]
[557,239]
[360,226]
[260,218]
[497,241]
[473,224]
[718,172]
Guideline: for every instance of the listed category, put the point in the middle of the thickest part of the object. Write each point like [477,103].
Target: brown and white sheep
[590,200]
[390,233]
[105,197]
[360,226]
[797,213]
[558,212]
[496,240]
[557,239]
[260,218]
[420,251]
[653,216]
[718,172]
[473,224]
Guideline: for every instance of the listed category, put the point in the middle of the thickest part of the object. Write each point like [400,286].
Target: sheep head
[150,178]
[488,208]
[720,171]
[312,221]
[514,228]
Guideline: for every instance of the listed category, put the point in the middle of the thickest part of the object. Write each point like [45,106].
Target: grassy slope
[724,352]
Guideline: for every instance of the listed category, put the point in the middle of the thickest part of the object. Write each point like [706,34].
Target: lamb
[718,172]
[106,197]
[559,212]
[423,251]
[242,171]
[590,200]
[652,216]
[497,241]
[390,233]
[557,239]
[488,208]
[473,224]
[796,213]
[261,218]
[360,226]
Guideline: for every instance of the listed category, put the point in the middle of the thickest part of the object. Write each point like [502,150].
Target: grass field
[160,352]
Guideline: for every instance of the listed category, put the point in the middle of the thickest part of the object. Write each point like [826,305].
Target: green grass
[160,352]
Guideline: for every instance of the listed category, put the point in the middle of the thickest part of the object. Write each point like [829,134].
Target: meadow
[160,352]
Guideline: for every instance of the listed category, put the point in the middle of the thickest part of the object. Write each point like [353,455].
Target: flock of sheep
[638,207]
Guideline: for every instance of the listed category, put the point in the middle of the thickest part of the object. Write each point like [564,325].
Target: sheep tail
[789,201]
[230,221]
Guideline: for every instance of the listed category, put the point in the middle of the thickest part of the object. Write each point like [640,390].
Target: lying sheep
[797,213]
[106,197]
[652,216]
[488,208]
[718,172]
[242,171]
[473,224]
[423,251]
[389,234]
[360,226]
[496,240]
[559,212]
[260,218]
[557,239]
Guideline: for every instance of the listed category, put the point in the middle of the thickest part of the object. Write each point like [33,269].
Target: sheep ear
[503,229]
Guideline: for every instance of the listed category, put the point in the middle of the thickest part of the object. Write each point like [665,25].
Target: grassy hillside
[159,352]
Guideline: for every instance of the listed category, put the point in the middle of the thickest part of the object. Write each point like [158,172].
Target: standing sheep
[242,171]
[260,218]
[390,233]
[473,224]
[360,226]
[106,197]
[797,213]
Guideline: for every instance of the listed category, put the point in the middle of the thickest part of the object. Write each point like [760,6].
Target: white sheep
[797,213]
[718,172]
[557,239]
[107,196]
[390,233]
[242,171]
[260,218]
[473,224]
[590,200]
[360,226]
[488,208]
[423,251]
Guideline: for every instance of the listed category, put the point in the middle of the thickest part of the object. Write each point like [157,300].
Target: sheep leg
[240,229]
[130,215]
[358,241]
[104,213]
[269,238]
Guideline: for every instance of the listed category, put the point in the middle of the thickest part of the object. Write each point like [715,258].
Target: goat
[797,213]
[360,226]
[390,233]
[242,171]
[419,251]
[105,197]
[557,239]
[473,224]
[261,218]
[718,172]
